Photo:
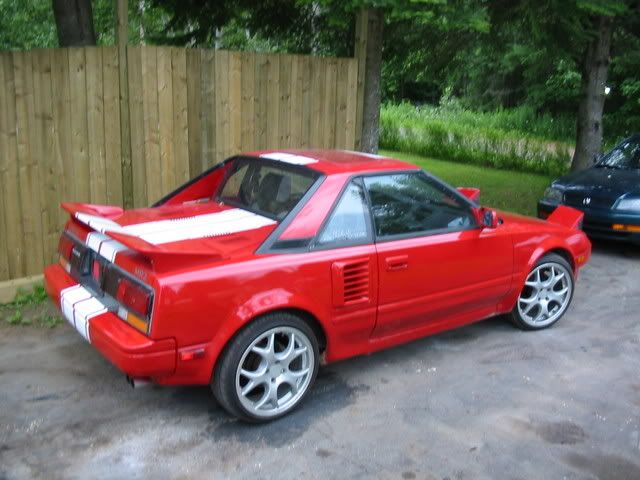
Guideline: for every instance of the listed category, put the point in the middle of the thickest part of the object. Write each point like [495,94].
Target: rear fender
[260,304]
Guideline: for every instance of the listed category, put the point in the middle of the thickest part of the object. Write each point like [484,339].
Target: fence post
[122,39]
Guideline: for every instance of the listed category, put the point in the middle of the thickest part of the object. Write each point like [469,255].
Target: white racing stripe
[105,246]
[174,230]
[78,307]
[289,158]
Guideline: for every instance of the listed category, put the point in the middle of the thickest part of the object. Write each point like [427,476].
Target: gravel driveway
[484,401]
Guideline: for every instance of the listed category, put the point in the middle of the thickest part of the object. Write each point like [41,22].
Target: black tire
[223,382]
[518,319]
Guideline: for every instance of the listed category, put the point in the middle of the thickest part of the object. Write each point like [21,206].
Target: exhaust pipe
[138,382]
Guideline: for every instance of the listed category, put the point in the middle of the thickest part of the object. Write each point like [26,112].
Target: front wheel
[546,294]
[267,369]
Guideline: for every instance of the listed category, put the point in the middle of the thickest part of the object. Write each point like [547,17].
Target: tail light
[65,246]
[135,301]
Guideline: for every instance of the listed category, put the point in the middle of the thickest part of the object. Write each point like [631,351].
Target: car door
[436,265]
[346,241]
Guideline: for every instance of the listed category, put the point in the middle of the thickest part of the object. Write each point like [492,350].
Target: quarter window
[412,203]
[348,223]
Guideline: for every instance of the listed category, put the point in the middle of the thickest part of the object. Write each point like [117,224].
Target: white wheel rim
[275,371]
[546,294]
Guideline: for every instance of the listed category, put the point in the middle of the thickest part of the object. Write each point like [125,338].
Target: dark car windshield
[625,156]
[270,188]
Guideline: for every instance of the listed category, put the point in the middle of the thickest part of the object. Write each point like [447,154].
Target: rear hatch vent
[351,282]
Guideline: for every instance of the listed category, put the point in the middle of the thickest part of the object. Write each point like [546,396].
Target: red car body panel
[206,289]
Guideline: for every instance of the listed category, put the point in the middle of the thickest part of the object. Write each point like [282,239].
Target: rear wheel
[546,294]
[267,369]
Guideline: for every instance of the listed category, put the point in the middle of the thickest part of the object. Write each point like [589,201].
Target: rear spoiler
[156,252]
[567,216]
[100,218]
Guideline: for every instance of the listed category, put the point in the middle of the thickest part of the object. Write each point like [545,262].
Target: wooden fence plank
[8,195]
[112,132]
[13,197]
[222,105]
[341,104]
[317,93]
[352,104]
[194,99]
[95,125]
[305,121]
[180,116]
[294,112]
[329,117]
[153,163]
[61,151]
[28,168]
[208,129]
[262,94]
[137,122]
[284,100]
[235,104]
[50,169]
[79,131]
[248,125]
[165,122]
[273,102]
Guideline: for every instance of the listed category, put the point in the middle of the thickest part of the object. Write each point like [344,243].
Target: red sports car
[252,274]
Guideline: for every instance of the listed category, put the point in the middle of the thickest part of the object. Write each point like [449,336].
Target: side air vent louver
[351,282]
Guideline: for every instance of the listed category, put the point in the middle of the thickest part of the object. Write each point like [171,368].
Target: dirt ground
[483,402]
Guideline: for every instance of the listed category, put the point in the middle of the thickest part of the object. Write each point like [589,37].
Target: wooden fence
[62,137]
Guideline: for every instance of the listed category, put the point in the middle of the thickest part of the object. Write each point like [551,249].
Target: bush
[507,139]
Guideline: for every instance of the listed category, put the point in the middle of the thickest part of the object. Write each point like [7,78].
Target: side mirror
[488,218]
[472,194]
[597,158]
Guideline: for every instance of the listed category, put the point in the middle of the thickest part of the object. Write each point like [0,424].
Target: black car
[608,193]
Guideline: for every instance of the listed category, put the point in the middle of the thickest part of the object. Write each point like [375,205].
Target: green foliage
[29,308]
[501,139]
[503,189]
[26,24]
[24,297]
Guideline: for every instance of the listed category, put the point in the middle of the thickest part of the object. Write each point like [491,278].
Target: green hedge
[469,137]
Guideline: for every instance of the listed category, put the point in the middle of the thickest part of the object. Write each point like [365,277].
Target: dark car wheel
[267,369]
[546,294]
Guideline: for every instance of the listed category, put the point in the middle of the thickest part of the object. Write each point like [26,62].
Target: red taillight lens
[65,245]
[96,271]
[134,297]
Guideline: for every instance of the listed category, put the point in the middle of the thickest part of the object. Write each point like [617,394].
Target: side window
[411,203]
[348,224]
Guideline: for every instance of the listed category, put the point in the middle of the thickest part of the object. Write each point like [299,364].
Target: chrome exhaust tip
[138,382]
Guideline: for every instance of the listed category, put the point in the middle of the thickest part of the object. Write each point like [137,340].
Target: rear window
[266,187]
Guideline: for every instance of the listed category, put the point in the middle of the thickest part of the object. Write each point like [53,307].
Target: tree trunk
[369,52]
[74,22]
[595,67]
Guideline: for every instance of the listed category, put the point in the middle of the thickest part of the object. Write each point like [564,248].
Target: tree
[74,22]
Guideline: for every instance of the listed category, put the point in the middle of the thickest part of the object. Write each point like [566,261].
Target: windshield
[624,156]
[266,187]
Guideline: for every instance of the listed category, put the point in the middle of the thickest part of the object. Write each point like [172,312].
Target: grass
[503,189]
[507,139]
[30,308]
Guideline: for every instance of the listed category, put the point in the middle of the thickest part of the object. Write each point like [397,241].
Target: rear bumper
[129,350]
[599,223]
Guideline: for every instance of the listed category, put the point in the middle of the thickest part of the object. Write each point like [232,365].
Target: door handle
[400,262]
